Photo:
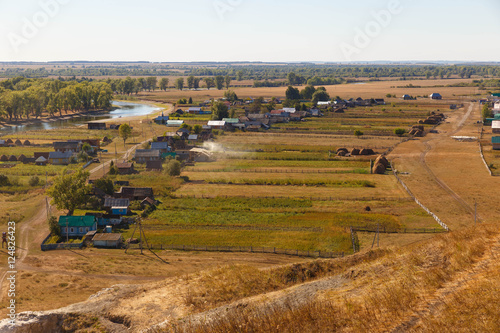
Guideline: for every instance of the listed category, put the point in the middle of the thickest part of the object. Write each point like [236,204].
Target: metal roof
[495,139]
[77,221]
[216,123]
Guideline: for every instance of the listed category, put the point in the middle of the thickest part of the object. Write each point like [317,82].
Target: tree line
[24,98]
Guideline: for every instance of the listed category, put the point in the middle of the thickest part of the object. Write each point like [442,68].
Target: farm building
[435,96]
[60,158]
[3,143]
[495,126]
[154,165]
[125,168]
[96,126]
[117,206]
[144,155]
[200,155]
[290,110]
[134,193]
[77,226]
[193,137]
[108,240]
[40,154]
[175,123]
[67,146]
[194,110]
[495,141]
[41,161]
[161,120]
[217,124]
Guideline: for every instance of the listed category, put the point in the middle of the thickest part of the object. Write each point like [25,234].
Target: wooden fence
[386,230]
[306,171]
[241,249]
[205,196]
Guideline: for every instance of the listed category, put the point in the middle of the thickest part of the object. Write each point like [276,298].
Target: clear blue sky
[249,30]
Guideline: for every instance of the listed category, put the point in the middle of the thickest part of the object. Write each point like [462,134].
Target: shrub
[34,181]
[173,168]
[54,227]
[399,131]
[4,180]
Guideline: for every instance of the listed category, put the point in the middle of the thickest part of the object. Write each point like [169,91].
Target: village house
[41,161]
[182,133]
[194,110]
[162,146]
[125,168]
[60,158]
[134,193]
[77,226]
[96,126]
[67,146]
[144,155]
[161,120]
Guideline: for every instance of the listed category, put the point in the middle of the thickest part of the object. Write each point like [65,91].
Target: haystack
[27,143]
[342,149]
[378,169]
[355,151]
[366,151]
[9,141]
[18,142]
[4,158]
[382,160]
[21,158]
[12,158]
[341,153]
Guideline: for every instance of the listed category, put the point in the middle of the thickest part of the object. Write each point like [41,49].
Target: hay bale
[378,169]
[341,153]
[27,143]
[9,141]
[355,151]
[342,149]
[365,151]
[18,143]
[382,160]
[12,158]
[370,152]
[21,158]
[4,158]
[368,209]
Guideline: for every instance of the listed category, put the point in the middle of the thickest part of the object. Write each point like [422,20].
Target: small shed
[175,123]
[41,161]
[125,168]
[154,165]
[495,126]
[435,96]
[109,240]
[96,126]
[119,210]
[495,141]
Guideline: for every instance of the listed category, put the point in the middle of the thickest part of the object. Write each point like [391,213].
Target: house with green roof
[77,226]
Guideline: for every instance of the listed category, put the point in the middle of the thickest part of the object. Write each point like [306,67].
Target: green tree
[399,131]
[209,82]
[124,131]
[227,79]
[320,95]
[292,78]
[173,168]
[54,227]
[292,93]
[219,82]
[151,83]
[307,92]
[179,83]
[358,133]
[190,101]
[70,190]
[486,112]
[106,185]
[197,129]
[164,83]
[190,81]
[219,111]
[230,95]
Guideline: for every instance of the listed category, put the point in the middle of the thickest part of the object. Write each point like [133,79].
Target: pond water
[121,110]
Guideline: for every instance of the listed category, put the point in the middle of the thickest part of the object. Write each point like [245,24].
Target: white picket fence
[438,220]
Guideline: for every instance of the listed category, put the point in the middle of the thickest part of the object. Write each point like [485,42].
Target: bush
[173,168]
[34,181]
[4,180]
[54,227]
[399,131]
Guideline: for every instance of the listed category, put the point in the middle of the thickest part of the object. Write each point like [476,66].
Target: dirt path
[22,239]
